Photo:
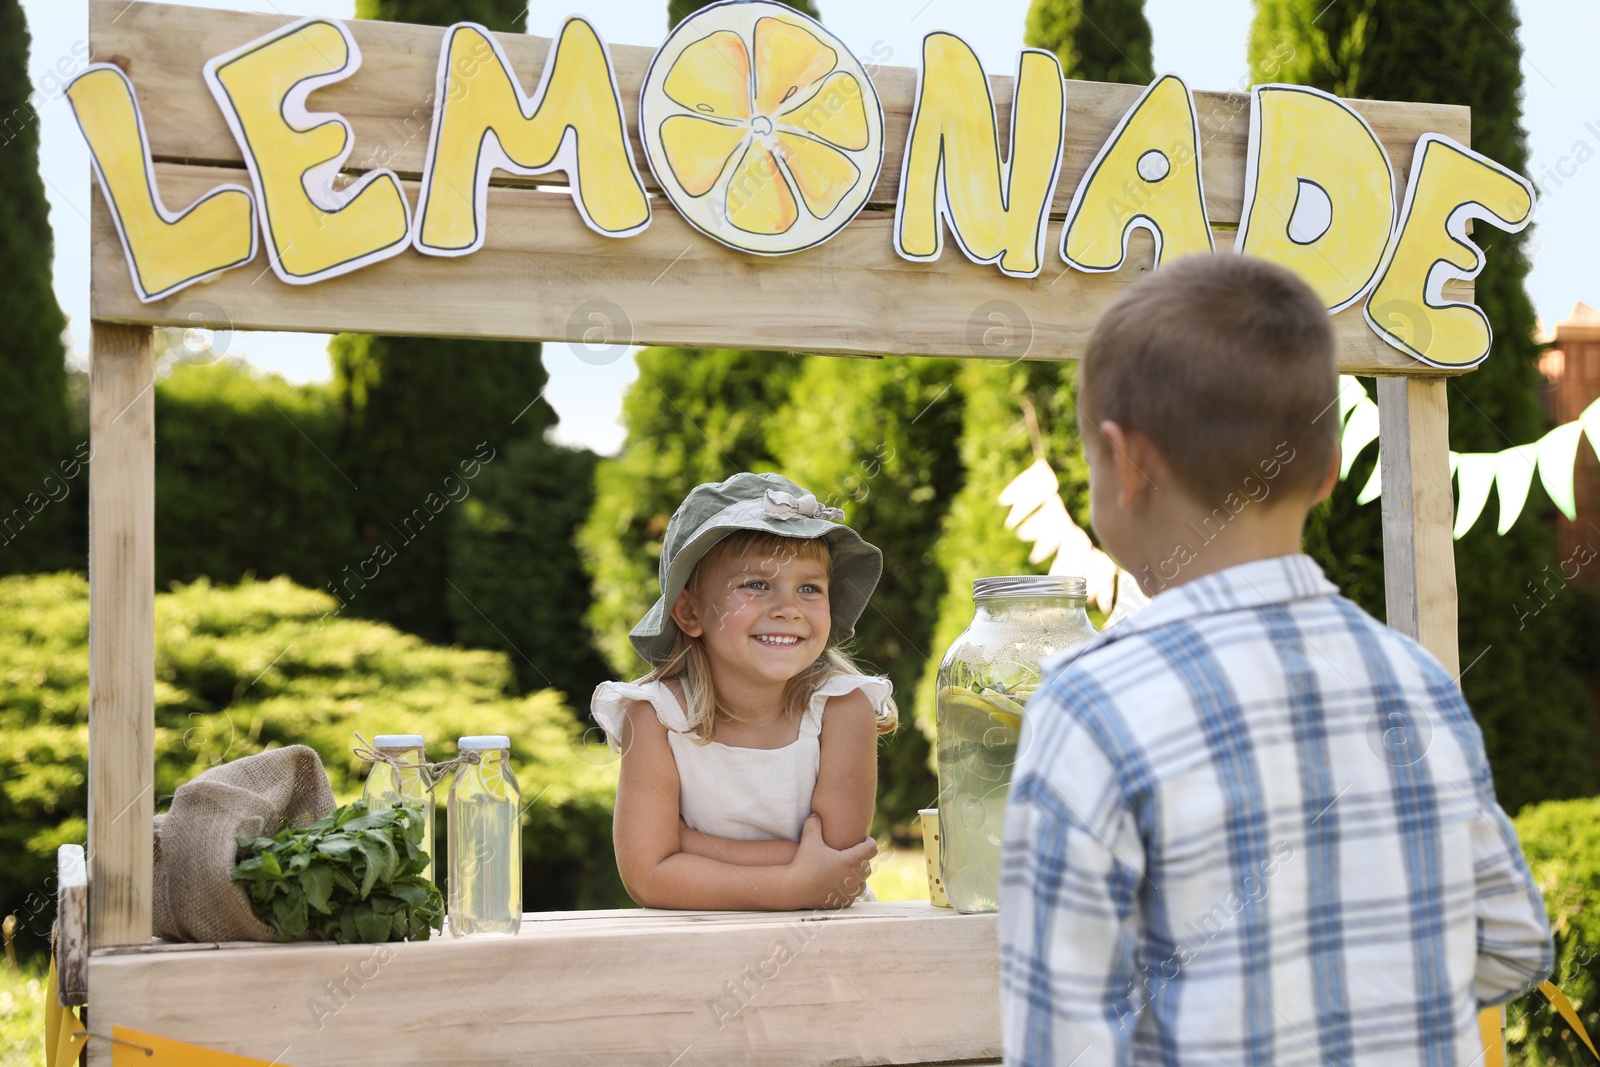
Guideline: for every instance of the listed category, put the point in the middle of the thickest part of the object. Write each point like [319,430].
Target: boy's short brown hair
[1221,360]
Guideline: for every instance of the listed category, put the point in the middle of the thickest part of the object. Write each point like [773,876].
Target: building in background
[1571,367]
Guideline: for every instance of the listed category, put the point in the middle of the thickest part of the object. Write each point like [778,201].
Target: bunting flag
[1559,1001]
[1039,517]
[132,1047]
[1509,472]
[64,1036]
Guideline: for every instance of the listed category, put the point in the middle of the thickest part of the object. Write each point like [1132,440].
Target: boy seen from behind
[1249,824]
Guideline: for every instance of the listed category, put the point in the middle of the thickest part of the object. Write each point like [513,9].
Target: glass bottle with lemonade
[485,833]
[402,778]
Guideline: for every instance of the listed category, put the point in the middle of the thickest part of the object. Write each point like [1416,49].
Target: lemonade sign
[766,134]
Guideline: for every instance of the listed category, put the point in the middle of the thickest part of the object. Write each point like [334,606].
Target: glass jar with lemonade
[984,682]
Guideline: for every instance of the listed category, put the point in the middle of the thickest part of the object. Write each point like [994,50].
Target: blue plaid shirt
[1252,825]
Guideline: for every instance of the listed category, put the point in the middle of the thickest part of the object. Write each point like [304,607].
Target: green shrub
[249,479]
[517,584]
[265,664]
[1561,839]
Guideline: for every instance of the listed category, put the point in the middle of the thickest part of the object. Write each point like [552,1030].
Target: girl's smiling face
[762,615]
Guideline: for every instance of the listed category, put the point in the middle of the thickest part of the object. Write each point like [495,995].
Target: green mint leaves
[354,876]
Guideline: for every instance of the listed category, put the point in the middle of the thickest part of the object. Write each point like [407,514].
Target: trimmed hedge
[250,479]
[264,664]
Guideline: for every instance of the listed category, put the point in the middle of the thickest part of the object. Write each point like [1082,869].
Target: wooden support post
[1419,553]
[121,634]
[1419,560]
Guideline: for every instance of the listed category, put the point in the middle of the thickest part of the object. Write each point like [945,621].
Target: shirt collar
[1247,585]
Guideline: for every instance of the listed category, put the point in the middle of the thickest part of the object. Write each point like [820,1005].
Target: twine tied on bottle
[432,773]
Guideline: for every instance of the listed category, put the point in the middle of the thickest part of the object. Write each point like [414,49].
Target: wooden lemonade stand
[877,983]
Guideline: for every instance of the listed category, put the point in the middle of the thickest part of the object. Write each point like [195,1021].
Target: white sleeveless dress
[746,794]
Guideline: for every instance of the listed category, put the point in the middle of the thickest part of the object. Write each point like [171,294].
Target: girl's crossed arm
[659,874]
[846,790]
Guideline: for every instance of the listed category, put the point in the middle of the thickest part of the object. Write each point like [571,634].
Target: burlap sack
[196,845]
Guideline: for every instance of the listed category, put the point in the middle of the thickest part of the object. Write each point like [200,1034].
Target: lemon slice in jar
[1002,707]
[991,702]
[762,128]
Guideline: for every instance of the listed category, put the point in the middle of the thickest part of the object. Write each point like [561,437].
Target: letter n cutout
[996,209]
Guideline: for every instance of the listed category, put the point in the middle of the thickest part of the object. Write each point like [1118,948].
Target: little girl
[749,752]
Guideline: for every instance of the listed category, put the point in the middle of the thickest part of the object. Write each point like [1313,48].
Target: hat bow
[778,504]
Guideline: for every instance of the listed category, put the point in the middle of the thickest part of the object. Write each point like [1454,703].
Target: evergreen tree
[692,416]
[515,573]
[417,409]
[245,480]
[1525,690]
[878,439]
[36,528]
[503,16]
[1096,40]
[678,10]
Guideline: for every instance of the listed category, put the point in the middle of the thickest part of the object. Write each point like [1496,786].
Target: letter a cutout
[1319,192]
[1147,174]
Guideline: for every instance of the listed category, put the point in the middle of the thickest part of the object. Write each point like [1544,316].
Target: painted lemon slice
[493,776]
[762,128]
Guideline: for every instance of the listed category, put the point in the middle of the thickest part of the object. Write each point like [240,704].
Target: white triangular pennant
[1475,473]
[1028,490]
[1558,450]
[1512,475]
[1359,432]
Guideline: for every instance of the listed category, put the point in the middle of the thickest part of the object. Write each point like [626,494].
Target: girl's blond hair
[689,664]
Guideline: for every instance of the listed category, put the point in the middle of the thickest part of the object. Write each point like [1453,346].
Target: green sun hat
[769,503]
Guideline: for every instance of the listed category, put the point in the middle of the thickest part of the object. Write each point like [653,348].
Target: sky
[1204,43]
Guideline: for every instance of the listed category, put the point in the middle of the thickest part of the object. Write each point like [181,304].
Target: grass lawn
[899,874]
[21,1016]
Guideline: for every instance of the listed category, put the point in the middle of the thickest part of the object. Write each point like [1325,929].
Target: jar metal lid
[1023,585]
[397,741]
[483,742]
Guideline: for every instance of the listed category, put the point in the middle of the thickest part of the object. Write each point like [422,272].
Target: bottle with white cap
[485,835]
[388,784]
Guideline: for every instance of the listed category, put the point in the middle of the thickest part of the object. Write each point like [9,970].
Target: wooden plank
[658,988]
[1419,561]
[163,48]
[542,275]
[71,941]
[121,632]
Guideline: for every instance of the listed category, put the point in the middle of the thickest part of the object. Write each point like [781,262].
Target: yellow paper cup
[930,851]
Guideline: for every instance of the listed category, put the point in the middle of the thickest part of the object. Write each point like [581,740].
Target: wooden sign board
[543,274]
